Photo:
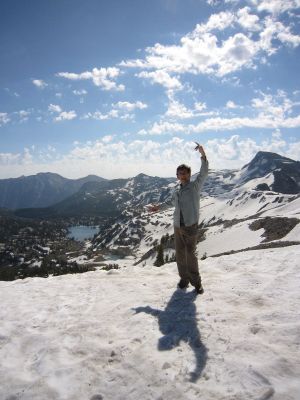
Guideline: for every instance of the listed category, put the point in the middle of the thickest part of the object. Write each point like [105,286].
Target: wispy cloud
[66,115]
[122,109]
[103,77]
[275,6]
[54,108]
[109,155]
[231,104]
[126,105]
[163,78]
[81,92]
[62,115]
[39,83]
[269,112]
[4,118]
[98,115]
[23,115]
[164,128]
[177,110]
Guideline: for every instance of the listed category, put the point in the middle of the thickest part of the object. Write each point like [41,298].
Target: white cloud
[163,78]
[100,116]
[39,83]
[23,115]
[285,36]
[278,106]
[200,106]
[125,105]
[235,151]
[231,104]
[4,118]
[27,157]
[269,112]
[248,21]
[206,51]
[276,134]
[80,92]
[9,158]
[66,115]
[276,30]
[103,77]
[54,108]
[164,128]
[63,115]
[107,138]
[213,3]
[51,148]
[178,111]
[117,159]
[276,6]
[15,94]
[266,37]
[17,160]
[122,109]
[218,124]
[219,22]
[228,124]
[236,52]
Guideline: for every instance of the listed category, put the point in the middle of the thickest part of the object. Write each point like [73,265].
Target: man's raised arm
[200,179]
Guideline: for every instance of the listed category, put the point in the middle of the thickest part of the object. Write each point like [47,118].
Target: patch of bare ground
[275,228]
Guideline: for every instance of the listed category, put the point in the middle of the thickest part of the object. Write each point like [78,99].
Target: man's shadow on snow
[178,323]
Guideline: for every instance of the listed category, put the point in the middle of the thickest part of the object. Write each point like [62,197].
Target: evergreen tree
[160,256]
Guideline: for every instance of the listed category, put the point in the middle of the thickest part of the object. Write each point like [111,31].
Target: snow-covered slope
[226,222]
[231,201]
[129,334]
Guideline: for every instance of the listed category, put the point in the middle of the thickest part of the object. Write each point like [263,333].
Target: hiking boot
[199,289]
[182,284]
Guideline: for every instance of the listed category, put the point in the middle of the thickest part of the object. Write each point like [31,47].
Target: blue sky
[119,87]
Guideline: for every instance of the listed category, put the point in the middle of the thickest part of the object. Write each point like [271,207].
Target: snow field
[219,240]
[129,334]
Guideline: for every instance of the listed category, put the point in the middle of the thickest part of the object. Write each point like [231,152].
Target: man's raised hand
[200,149]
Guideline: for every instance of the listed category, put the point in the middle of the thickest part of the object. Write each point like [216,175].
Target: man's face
[183,175]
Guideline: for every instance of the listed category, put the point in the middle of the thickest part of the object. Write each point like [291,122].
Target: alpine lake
[82,232]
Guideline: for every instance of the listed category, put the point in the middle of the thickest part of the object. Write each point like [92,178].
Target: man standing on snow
[186,199]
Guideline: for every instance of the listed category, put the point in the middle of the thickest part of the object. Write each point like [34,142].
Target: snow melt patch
[219,239]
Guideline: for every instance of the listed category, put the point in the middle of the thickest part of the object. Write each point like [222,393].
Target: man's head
[183,173]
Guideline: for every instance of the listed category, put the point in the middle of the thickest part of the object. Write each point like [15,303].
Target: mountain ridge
[40,190]
[265,172]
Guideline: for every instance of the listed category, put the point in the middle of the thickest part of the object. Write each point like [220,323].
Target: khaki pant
[186,254]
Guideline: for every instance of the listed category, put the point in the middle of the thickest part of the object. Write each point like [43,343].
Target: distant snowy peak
[280,174]
[266,172]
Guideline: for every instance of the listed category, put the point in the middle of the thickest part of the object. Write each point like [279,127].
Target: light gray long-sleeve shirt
[186,198]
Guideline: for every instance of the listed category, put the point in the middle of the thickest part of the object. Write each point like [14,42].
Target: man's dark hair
[183,167]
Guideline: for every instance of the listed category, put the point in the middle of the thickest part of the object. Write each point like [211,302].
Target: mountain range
[239,209]
[48,195]
[40,190]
